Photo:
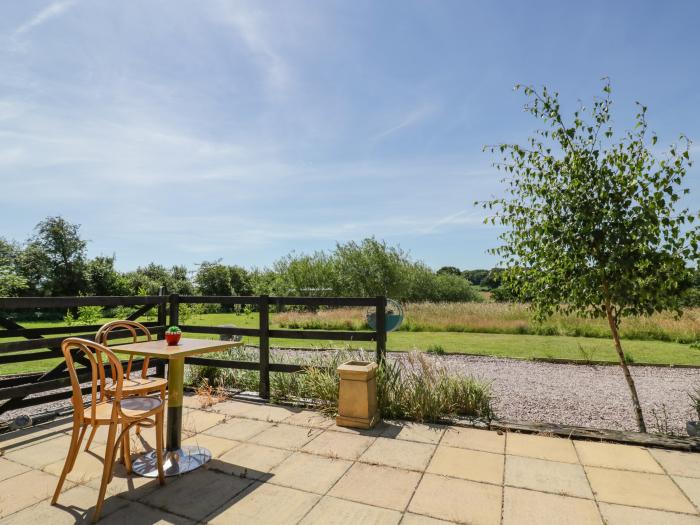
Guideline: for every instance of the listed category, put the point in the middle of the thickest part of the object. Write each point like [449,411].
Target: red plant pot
[172,339]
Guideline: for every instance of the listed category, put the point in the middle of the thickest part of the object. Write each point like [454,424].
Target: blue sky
[182,131]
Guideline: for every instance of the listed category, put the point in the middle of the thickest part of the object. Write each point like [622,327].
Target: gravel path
[528,391]
[594,396]
[590,396]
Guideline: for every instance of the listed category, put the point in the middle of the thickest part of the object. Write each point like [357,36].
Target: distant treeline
[54,262]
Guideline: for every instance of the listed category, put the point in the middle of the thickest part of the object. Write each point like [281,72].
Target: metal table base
[175,462]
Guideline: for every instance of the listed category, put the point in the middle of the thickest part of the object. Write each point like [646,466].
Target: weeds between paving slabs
[413,387]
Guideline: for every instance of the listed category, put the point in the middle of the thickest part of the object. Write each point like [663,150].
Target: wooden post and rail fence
[36,344]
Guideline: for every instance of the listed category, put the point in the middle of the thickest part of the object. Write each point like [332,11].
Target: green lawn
[501,345]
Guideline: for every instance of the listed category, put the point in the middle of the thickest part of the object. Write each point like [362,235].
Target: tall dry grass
[416,388]
[502,318]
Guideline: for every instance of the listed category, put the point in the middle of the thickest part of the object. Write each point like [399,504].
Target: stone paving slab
[266,503]
[547,476]
[475,439]
[309,472]
[527,507]
[335,511]
[275,464]
[449,499]
[621,515]
[407,455]
[638,489]
[409,431]
[75,507]
[610,455]
[376,485]
[462,463]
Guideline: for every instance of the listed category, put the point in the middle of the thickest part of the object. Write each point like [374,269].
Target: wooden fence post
[174,317]
[381,328]
[264,346]
[162,321]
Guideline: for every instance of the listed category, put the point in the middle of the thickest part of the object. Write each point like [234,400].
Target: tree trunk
[625,370]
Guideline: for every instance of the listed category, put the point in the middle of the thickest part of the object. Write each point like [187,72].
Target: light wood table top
[186,347]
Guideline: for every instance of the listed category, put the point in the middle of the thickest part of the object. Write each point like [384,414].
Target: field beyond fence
[503,318]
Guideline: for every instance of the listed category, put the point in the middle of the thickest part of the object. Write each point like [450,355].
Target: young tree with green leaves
[213,278]
[594,225]
[55,257]
[11,283]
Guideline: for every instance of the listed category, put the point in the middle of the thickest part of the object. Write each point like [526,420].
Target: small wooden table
[177,459]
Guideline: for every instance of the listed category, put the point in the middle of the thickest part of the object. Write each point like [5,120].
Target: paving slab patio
[274,464]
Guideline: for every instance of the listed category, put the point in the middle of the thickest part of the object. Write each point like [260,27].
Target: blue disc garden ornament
[393,316]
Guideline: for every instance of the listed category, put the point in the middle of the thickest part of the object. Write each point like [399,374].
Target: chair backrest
[135,329]
[95,354]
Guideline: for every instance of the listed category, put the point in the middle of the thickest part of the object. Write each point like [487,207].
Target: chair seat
[138,406]
[138,384]
[133,407]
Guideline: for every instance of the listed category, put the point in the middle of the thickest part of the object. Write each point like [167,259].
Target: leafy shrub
[86,315]
[436,349]
[414,388]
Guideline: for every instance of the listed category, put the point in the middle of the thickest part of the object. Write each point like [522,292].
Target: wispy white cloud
[251,25]
[53,10]
[412,118]
[220,141]
[463,217]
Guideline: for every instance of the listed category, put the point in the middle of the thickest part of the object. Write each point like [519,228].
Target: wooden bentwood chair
[132,386]
[117,411]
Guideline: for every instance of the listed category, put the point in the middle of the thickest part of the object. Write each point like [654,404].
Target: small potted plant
[693,427]
[173,335]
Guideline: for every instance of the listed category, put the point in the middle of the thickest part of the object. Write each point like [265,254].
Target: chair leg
[107,470]
[80,440]
[92,435]
[126,452]
[70,459]
[159,447]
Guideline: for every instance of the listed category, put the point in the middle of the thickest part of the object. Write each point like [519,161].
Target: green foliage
[103,279]
[420,390]
[53,261]
[586,353]
[449,270]
[493,279]
[414,389]
[213,278]
[314,275]
[475,276]
[188,312]
[435,349]
[593,225]
[148,280]
[591,221]
[447,288]
[11,283]
[86,315]
[122,312]
[240,280]
[368,268]
[174,330]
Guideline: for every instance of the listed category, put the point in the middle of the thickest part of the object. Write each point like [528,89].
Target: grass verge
[499,345]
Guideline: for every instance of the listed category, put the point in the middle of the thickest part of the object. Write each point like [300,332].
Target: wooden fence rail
[22,391]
